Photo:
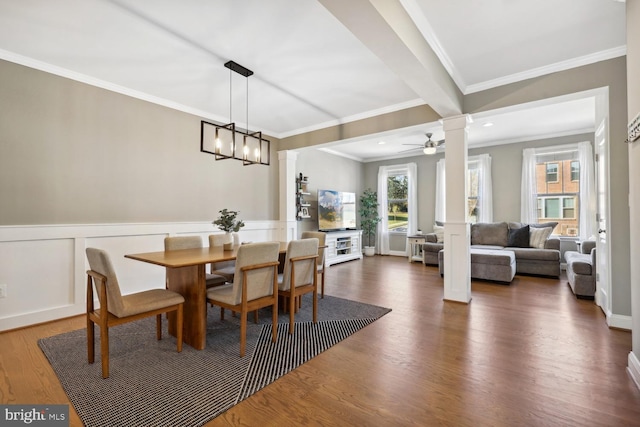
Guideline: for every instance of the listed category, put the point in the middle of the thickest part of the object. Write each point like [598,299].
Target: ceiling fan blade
[418,145]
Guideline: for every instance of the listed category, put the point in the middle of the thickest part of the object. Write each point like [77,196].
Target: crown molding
[355,117]
[112,87]
[547,69]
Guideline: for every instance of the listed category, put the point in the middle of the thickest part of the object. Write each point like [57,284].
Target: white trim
[112,87]
[398,253]
[117,236]
[355,117]
[547,69]
[619,321]
[633,368]
[422,23]
[340,154]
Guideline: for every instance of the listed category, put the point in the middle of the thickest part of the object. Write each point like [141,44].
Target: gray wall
[506,165]
[326,172]
[71,153]
[611,74]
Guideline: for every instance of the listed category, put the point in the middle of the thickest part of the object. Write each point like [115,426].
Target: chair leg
[104,349]
[292,309]
[322,284]
[315,305]
[179,326]
[243,333]
[255,316]
[274,321]
[159,327]
[90,340]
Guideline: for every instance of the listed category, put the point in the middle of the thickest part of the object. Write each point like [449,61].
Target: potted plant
[228,223]
[369,218]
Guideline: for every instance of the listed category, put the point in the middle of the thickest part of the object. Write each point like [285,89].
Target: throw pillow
[490,233]
[519,237]
[551,224]
[539,236]
[439,232]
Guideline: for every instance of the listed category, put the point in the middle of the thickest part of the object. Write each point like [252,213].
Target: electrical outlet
[3,290]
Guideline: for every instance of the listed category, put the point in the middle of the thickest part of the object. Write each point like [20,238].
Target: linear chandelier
[222,140]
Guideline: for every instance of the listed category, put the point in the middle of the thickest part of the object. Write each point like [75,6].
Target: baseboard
[398,253]
[619,322]
[634,368]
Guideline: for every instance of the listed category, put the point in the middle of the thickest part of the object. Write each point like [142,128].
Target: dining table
[186,274]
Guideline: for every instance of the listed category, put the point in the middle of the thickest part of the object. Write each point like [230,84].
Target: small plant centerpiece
[369,218]
[228,222]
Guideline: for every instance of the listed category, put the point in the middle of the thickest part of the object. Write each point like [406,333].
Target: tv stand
[343,246]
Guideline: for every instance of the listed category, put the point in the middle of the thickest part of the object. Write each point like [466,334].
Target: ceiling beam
[387,30]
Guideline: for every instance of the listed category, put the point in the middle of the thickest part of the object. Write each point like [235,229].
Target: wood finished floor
[529,354]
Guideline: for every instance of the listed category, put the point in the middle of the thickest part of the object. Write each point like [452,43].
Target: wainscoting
[44,266]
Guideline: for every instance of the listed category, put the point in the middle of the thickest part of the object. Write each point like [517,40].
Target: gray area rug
[150,384]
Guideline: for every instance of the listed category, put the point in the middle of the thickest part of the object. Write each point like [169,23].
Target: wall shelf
[302,190]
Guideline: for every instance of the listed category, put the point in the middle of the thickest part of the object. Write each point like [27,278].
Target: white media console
[343,246]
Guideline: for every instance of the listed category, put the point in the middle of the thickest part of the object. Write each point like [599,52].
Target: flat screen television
[336,210]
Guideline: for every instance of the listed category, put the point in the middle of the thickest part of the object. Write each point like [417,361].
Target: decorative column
[288,228]
[457,258]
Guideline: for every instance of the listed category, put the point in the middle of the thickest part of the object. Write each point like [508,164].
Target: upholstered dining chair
[255,286]
[300,276]
[192,242]
[320,261]
[224,268]
[116,309]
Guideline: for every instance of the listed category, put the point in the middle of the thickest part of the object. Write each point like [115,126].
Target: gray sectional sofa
[543,260]
[581,270]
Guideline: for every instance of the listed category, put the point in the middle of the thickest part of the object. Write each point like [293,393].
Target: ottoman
[488,264]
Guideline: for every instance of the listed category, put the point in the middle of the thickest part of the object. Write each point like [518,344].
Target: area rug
[150,384]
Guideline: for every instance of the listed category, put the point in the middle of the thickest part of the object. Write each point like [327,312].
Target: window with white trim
[398,202]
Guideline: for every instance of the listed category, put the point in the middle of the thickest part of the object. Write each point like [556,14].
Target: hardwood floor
[529,354]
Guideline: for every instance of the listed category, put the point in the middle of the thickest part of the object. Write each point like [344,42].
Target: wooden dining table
[186,274]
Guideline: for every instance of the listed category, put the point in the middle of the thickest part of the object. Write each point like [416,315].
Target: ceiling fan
[429,147]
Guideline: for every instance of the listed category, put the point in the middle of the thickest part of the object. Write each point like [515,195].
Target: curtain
[412,174]
[485,188]
[528,191]
[383,226]
[587,191]
[440,192]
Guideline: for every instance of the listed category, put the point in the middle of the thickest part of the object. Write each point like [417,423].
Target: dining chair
[255,286]
[299,276]
[116,309]
[223,268]
[192,242]
[320,261]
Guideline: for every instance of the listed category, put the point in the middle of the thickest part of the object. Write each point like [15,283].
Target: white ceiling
[313,67]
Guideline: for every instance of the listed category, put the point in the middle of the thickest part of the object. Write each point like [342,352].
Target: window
[479,189]
[398,202]
[553,187]
[575,171]
[557,208]
[397,206]
[552,172]
[473,181]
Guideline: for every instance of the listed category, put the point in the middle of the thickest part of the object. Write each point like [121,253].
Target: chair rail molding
[44,266]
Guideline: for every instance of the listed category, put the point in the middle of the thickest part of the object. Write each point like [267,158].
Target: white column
[287,204]
[457,262]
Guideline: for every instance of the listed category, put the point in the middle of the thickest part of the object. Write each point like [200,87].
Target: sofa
[535,251]
[581,270]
